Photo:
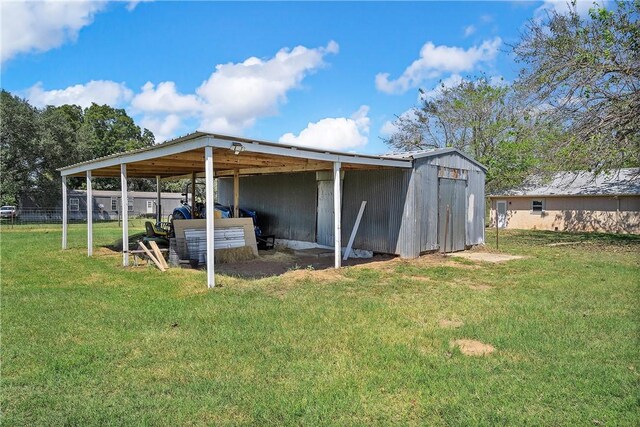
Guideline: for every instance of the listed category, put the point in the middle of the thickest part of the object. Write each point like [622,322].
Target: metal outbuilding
[414,200]
[406,210]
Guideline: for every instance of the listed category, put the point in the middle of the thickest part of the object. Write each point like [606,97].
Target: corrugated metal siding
[427,204]
[476,207]
[427,201]
[401,216]
[385,192]
[450,160]
[286,203]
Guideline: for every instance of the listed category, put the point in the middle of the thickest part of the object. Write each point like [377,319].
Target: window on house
[537,206]
[74,204]
[114,204]
[130,204]
[149,204]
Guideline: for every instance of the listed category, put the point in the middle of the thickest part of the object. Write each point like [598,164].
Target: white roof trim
[201,140]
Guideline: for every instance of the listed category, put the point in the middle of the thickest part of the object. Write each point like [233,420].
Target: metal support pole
[158,200]
[193,196]
[208,169]
[337,209]
[89,214]
[497,225]
[64,212]
[125,214]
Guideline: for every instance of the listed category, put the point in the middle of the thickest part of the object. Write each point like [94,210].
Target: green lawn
[86,342]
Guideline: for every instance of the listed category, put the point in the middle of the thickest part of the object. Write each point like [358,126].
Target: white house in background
[106,204]
[573,201]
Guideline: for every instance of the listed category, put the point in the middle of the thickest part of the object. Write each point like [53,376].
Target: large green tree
[19,144]
[584,74]
[479,117]
[34,143]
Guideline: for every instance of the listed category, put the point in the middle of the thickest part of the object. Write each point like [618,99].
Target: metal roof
[329,155]
[581,183]
[418,154]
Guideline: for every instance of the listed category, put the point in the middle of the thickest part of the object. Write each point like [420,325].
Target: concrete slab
[485,256]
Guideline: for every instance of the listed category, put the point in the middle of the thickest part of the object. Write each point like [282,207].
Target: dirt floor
[277,262]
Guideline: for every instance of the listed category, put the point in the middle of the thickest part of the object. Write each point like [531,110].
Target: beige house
[572,201]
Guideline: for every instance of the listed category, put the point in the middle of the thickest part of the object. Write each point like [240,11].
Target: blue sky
[323,74]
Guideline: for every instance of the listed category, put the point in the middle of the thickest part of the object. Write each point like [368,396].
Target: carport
[216,156]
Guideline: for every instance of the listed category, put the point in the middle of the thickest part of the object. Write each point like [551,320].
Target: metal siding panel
[324,222]
[475,212]
[380,225]
[285,203]
[451,200]
[427,203]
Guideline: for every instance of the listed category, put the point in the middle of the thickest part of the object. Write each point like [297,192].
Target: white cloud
[133,4]
[468,30]
[37,26]
[165,99]
[237,94]
[437,60]
[162,128]
[562,7]
[98,91]
[230,100]
[389,127]
[338,133]
[451,81]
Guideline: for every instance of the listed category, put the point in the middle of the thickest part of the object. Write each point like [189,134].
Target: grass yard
[86,342]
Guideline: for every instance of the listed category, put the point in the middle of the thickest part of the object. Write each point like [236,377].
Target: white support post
[89,214]
[64,212]
[124,202]
[158,200]
[208,169]
[337,208]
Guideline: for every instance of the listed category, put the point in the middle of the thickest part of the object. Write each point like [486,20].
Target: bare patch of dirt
[487,256]
[480,287]
[450,323]
[472,347]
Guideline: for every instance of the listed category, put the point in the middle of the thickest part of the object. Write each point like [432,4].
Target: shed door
[451,203]
[325,213]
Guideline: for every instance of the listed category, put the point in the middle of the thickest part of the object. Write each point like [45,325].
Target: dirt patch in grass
[472,347]
[480,287]
[450,323]
[492,257]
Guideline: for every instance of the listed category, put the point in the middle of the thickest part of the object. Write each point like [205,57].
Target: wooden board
[159,256]
[151,257]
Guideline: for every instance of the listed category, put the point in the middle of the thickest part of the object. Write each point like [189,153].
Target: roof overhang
[185,156]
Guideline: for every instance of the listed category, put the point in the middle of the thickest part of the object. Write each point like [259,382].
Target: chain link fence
[53,216]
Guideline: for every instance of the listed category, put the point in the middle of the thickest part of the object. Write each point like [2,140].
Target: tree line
[36,142]
[574,106]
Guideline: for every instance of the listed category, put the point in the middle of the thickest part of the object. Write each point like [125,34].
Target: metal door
[452,208]
[149,206]
[325,213]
